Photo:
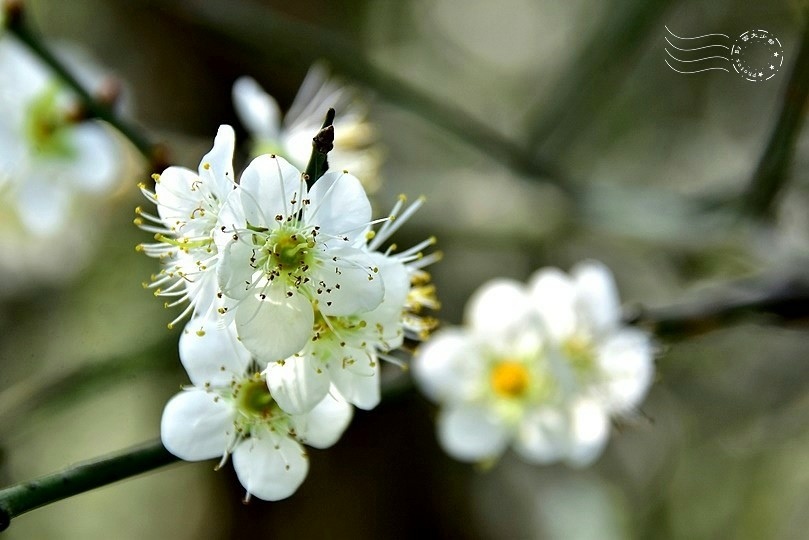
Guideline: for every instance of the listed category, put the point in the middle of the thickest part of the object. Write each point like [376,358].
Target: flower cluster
[541,368]
[291,301]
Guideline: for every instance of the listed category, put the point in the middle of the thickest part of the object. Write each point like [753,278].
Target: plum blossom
[229,412]
[287,252]
[56,169]
[345,349]
[298,271]
[540,368]
[292,138]
[188,205]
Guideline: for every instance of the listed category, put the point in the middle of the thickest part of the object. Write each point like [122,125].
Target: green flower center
[285,251]
[581,355]
[254,400]
[46,127]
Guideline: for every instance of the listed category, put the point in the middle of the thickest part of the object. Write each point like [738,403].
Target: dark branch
[779,300]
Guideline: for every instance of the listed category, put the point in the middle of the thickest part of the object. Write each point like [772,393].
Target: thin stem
[17,26]
[262,30]
[771,174]
[21,498]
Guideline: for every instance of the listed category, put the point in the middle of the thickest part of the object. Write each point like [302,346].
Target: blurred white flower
[188,205]
[229,411]
[540,368]
[55,169]
[287,252]
[354,150]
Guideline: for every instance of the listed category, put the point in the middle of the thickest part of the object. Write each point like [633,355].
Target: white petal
[215,357]
[269,185]
[471,433]
[339,205]
[195,426]
[359,389]
[387,316]
[175,199]
[270,467]
[257,110]
[597,296]
[438,367]
[590,429]
[498,306]
[277,326]
[543,436]
[626,360]
[234,272]
[554,296]
[95,164]
[325,424]
[43,208]
[216,167]
[348,282]
[298,383]
[396,281]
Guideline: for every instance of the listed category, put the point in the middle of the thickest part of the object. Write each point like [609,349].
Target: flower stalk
[20,498]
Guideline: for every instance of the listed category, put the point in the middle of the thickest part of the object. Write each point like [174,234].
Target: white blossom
[345,349]
[287,252]
[188,205]
[229,411]
[540,368]
[56,170]
[292,138]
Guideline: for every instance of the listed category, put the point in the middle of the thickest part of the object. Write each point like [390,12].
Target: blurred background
[608,154]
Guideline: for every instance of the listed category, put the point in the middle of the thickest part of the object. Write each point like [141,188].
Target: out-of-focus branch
[771,173]
[260,29]
[781,300]
[21,498]
[17,24]
[600,66]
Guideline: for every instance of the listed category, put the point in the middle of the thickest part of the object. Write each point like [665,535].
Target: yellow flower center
[510,379]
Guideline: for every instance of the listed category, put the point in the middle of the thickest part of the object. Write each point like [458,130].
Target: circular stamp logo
[757,55]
